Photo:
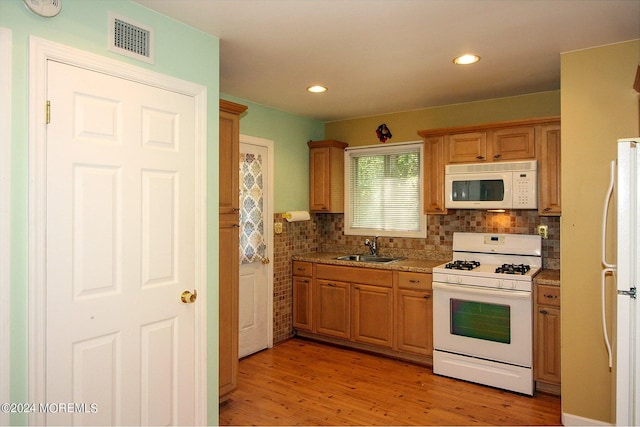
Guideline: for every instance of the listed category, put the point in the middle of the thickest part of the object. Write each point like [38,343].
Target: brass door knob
[265,260]
[188,297]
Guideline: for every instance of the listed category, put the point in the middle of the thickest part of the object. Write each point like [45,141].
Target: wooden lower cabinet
[383,311]
[414,313]
[414,324]
[373,315]
[333,308]
[302,295]
[546,365]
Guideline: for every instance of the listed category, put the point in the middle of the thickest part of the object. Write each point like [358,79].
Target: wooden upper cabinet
[537,139]
[434,180]
[326,176]
[466,147]
[511,143]
[229,155]
[517,143]
[548,141]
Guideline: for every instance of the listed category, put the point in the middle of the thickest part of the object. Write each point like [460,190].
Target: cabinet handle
[550,296]
[479,157]
[438,209]
[414,281]
[545,312]
[497,156]
[304,281]
[426,296]
[331,284]
[301,269]
[356,287]
[235,209]
[547,209]
[236,225]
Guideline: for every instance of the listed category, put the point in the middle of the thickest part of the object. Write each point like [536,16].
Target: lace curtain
[252,246]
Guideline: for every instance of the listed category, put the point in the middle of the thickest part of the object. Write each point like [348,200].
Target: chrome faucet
[373,246]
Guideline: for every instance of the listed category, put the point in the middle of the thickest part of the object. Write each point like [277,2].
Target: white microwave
[495,185]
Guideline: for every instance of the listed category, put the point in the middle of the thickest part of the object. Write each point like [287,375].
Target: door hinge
[48,113]
[630,293]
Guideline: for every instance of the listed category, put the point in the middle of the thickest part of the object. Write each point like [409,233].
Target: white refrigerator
[624,346]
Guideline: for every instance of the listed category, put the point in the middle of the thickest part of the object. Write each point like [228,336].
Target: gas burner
[513,269]
[462,265]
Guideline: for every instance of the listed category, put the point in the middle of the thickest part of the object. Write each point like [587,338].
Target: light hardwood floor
[301,382]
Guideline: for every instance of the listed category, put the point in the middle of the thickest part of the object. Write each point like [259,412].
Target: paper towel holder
[294,216]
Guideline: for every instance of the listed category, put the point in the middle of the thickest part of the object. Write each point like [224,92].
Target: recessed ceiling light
[317,89]
[466,59]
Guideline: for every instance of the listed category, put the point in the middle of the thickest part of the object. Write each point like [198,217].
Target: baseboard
[575,420]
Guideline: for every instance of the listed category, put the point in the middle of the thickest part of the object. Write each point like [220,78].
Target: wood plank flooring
[301,382]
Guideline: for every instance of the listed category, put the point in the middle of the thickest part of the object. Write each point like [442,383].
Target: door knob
[188,297]
[265,260]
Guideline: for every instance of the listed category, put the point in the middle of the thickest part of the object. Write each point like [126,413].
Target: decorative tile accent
[325,233]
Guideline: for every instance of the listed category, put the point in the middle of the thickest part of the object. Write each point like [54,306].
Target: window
[383,190]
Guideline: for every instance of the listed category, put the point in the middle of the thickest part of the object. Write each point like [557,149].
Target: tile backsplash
[324,233]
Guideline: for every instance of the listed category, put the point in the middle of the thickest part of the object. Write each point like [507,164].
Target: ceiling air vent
[130,38]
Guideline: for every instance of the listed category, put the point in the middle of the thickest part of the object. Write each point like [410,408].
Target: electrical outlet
[277,228]
[543,231]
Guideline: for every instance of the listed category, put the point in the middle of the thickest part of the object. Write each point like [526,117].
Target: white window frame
[382,149]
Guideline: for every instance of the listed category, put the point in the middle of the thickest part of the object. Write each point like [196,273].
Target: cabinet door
[333,308]
[549,170]
[547,343]
[513,143]
[414,322]
[302,303]
[434,175]
[228,306]
[373,315]
[470,147]
[319,179]
[229,157]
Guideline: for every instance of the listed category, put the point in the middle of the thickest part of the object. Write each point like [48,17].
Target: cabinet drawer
[367,276]
[302,268]
[548,295]
[418,281]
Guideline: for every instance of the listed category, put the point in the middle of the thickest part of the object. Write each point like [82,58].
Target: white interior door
[120,250]
[256,247]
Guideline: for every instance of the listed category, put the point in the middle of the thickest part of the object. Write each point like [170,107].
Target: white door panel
[256,278]
[120,250]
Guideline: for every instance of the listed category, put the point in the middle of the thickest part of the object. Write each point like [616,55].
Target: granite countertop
[548,277]
[545,277]
[414,265]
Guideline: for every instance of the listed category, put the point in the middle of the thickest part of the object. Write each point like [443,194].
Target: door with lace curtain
[256,272]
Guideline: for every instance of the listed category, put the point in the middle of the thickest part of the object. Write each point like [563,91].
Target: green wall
[404,126]
[290,135]
[598,107]
[83,25]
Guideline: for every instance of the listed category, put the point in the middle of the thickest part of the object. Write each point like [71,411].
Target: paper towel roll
[294,216]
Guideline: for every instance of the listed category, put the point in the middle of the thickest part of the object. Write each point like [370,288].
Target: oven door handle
[476,290]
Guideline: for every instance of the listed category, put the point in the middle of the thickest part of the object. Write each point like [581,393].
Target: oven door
[491,324]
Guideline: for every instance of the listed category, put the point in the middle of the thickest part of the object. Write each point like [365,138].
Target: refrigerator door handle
[606,271]
[609,268]
[607,199]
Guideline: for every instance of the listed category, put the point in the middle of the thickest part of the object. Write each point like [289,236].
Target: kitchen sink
[368,258]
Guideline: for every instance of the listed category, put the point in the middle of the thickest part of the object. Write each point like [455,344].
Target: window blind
[384,187]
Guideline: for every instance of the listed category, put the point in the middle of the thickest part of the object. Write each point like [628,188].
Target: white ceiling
[383,56]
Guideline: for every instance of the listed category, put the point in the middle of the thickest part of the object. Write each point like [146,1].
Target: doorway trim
[5,216]
[269,145]
[40,52]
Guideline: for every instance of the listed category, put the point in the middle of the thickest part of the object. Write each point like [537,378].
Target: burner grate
[462,265]
[513,269]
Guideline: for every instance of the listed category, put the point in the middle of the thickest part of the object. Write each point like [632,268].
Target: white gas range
[483,328]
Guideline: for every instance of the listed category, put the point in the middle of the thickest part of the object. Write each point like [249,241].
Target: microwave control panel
[525,186]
